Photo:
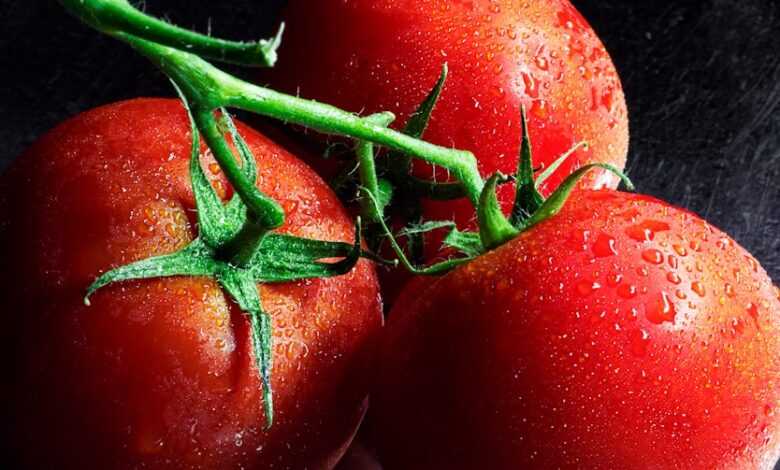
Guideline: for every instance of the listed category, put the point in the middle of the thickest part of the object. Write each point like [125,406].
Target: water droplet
[627,291]
[672,261]
[698,288]
[673,278]
[662,310]
[653,256]
[640,339]
[614,279]
[539,109]
[585,288]
[769,411]
[646,230]
[604,246]
[729,289]
[752,310]
[695,245]
[541,62]
[680,250]
[680,294]
[214,168]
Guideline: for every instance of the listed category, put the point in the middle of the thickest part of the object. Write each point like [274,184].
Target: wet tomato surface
[160,373]
[621,333]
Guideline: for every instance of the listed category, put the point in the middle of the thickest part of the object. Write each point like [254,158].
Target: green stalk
[208,87]
[265,211]
[118,16]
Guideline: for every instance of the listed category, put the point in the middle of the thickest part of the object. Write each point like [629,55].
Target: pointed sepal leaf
[236,208]
[527,197]
[468,243]
[243,288]
[194,260]
[495,229]
[544,175]
[283,258]
[418,121]
[556,201]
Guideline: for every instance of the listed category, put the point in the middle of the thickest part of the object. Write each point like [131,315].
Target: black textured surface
[702,79]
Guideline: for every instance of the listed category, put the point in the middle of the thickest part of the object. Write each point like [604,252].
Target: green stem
[263,212]
[331,120]
[118,16]
[367,169]
[208,87]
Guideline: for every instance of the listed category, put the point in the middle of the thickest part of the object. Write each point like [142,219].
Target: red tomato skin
[622,333]
[160,373]
[385,55]
[375,55]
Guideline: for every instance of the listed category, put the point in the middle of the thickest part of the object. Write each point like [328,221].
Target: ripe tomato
[375,55]
[160,373]
[621,333]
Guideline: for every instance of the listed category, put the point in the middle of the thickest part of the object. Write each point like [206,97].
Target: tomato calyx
[495,228]
[238,252]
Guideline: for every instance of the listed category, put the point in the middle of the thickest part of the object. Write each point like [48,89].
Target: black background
[702,80]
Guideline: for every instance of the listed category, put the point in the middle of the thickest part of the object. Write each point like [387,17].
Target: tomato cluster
[619,332]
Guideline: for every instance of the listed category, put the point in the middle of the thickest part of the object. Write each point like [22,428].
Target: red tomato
[160,373]
[622,333]
[375,55]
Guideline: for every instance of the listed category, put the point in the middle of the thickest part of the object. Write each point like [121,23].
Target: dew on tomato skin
[673,277]
[661,310]
[653,256]
[680,250]
[627,291]
[640,340]
[698,288]
[614,279]
[752,310]
[604,246]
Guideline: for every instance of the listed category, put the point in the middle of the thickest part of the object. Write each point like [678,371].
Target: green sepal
[527,197]
[494,228]
[557,199]
[284,258]
[468,243]
[385,192]
[216,224]
[196,259]
[243,288]
[438,268]
[419,120]
[547,172]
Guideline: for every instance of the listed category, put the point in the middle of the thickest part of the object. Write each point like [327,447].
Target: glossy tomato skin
[622,333]
[160,373]
[373,55]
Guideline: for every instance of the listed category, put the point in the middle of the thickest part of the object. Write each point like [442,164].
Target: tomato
[376,55]
[161,373]
[621,333]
